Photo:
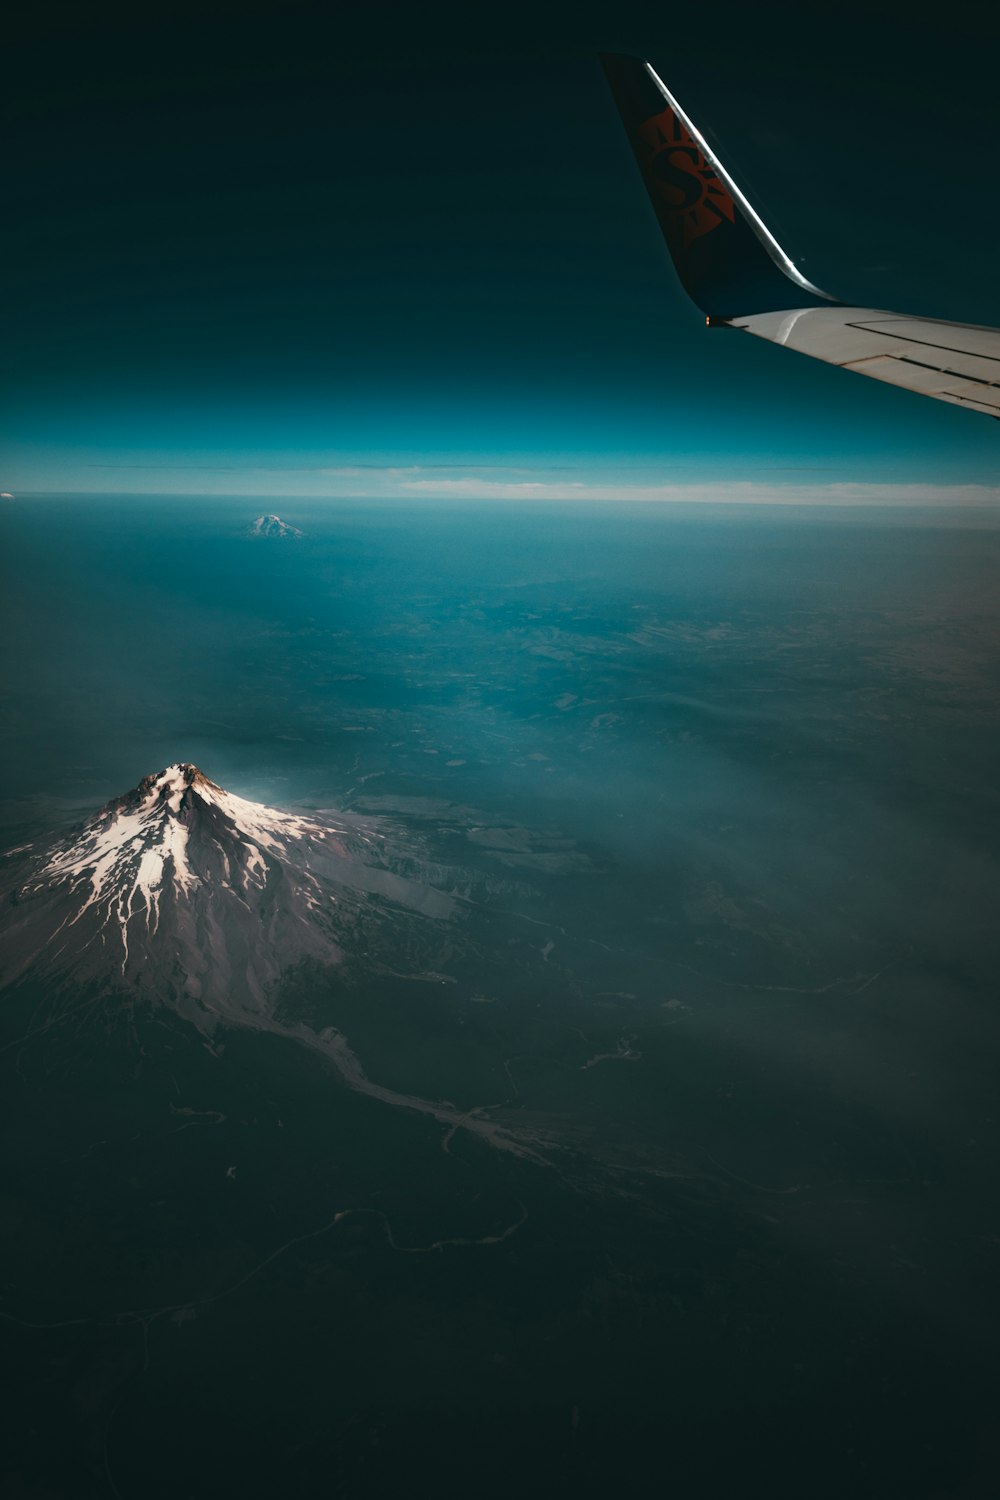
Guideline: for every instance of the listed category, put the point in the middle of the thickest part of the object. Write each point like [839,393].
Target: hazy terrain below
[705,803]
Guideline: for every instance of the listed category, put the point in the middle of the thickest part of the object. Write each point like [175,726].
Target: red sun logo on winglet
[684,185]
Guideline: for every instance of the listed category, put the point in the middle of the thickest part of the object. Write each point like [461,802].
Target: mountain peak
[171,784]
[269,525]
[202,899]
[181,886]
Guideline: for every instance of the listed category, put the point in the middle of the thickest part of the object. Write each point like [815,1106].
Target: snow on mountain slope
[186,892]
[270,525]
[180,894]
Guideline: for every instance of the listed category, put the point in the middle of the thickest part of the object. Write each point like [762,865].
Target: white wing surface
[955,362]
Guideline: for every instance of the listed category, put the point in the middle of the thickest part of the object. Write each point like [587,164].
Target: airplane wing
[731,265]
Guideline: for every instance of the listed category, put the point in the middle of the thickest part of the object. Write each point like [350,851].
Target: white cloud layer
[331,476]
[738,492]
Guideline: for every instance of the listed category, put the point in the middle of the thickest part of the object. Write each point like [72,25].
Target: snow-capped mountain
[182,895]
[199,898]
[272,526]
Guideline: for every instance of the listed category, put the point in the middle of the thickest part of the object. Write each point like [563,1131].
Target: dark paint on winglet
[728,262]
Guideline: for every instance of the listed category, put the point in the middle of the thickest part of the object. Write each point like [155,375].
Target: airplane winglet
[727,259]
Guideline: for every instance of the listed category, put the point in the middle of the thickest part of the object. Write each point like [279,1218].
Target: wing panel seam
[921,364]
[925,343]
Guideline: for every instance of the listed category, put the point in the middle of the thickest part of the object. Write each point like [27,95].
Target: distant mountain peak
[269,525]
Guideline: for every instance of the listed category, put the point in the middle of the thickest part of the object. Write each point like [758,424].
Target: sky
[274,250]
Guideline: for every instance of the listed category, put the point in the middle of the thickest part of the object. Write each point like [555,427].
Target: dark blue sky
[268,241]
